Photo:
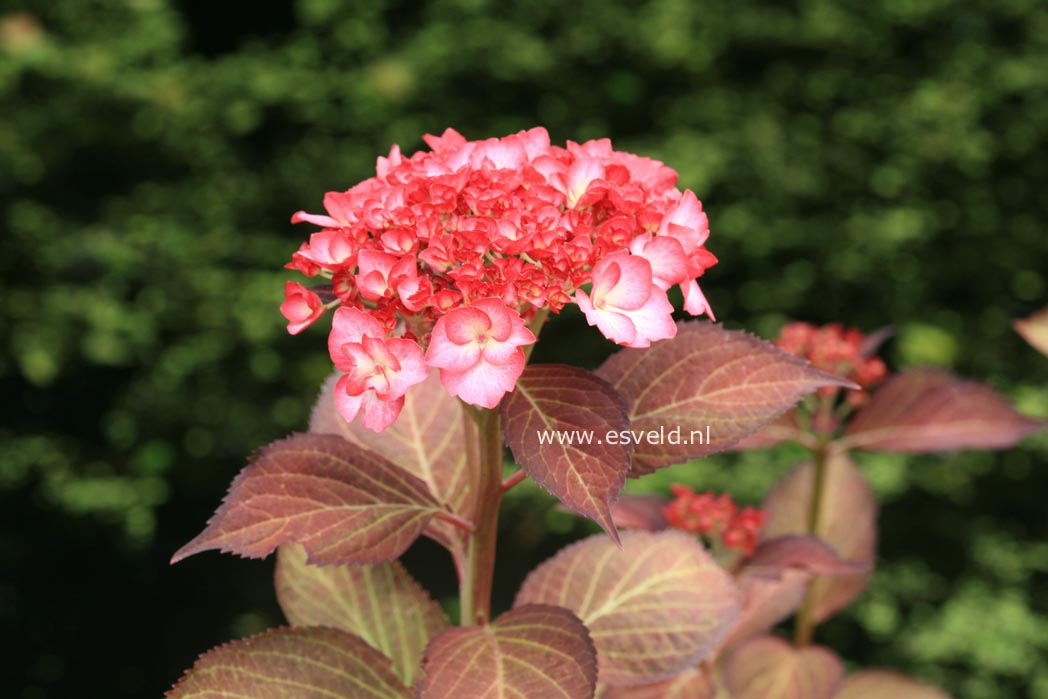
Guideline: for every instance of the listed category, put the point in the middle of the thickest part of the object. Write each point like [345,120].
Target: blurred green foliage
[870,162]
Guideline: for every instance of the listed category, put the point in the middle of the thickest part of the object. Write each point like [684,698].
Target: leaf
[847,522]
[653,608]
[706,376]
[805,552]
[784,428]
[532,652]
[693,683]
[1035,330]
[426,441]
[303,663]
[769,668]
[882,684]
[557,400]
[379,602]
[342,503]
[924,410]
[766,601]
[643,512]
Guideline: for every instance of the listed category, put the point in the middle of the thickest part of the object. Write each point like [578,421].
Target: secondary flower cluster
[711,515]
[837,350]
[444,258]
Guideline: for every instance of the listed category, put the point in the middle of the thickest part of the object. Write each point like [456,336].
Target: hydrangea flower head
[458,249]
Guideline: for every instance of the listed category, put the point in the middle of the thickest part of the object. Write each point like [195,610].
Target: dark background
[871,162]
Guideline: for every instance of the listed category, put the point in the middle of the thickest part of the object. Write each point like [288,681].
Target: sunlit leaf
[1035,330]
[554,400]
[379,602]
[653,608]
[705,377]
[426,440]
[770,668]
[298,663]
[532,652]
[883,684]
[342,503]
[693,683]
[847,522]
[924,410]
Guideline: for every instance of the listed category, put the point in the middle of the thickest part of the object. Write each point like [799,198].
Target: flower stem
[804,629]
[484,451]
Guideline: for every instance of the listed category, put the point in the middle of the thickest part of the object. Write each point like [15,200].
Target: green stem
[484,452]
[804,629]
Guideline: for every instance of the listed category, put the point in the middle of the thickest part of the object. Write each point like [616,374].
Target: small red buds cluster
[837,350]
[712,515]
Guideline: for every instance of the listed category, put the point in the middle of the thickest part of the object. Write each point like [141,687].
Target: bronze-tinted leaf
[847,522]
[653,608]
[426,440]
[303,663]
[883,684]
[532,652]
[706,376]
[342,503]
[379,602]
[556,423]
[693,683]
[925,410]
[805,552]
[767,600]
[1035,330]
[784,428]
[767,667]
[643,512]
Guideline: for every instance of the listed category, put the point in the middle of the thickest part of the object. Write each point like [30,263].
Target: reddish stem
[484,450]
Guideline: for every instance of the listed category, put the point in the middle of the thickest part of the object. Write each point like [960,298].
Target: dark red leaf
[426,441]
[769,668]
[560,404]
[342,503]
[847,522]
[379,602]
[784,428]
[655,607]
[643,512]
[304,663]
[924,410]
[532,652]
[706,377]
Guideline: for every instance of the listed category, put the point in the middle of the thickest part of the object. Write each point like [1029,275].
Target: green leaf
[303,663]
[379,602]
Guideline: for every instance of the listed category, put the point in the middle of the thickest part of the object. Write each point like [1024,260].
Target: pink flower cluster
[444,258]
[707,514]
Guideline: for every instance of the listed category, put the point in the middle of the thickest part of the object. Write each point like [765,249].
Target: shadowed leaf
[653,608]
[693,683]
[302,663]
[882,684]
[342,503]
[730,381]
[643,512]
[426,440]
[924,410]
[379,602]
[847,522]
[1035,330]
[784,428]
[769,668]
[805,552]
[767,600]
[532,652]
[554,399]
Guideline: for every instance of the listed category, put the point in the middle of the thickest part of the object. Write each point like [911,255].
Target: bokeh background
[873,162]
